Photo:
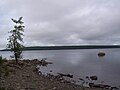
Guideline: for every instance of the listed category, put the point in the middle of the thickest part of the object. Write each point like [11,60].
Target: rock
[66,75]
[101,54]
[93,77]
[99,86]
[44,63]
[54,88]
[2,81]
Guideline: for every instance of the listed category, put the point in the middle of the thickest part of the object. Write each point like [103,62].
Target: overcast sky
[62,22]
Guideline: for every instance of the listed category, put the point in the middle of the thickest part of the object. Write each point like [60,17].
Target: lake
[80,63]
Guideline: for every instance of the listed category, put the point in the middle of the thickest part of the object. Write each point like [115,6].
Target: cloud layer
[63,22]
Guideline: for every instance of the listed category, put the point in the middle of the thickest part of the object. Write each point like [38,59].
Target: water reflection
[80,63]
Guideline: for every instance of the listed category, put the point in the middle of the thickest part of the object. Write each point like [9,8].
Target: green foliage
[15,39]
[2,88]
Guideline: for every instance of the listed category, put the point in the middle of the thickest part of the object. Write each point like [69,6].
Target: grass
[3,71]
[3,68]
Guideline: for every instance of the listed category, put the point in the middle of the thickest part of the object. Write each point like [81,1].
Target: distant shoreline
[67,47]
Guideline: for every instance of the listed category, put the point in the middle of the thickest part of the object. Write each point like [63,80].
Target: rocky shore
[25,76]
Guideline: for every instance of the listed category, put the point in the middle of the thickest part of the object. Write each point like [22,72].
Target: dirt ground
[24,76]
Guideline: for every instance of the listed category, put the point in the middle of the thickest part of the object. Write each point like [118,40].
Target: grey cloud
[65,22]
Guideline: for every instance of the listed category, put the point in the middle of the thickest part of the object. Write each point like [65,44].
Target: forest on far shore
[68,47]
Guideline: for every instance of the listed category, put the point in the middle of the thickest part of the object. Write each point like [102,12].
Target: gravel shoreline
[24,76]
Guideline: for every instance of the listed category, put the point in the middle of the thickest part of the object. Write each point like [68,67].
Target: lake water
[80,63]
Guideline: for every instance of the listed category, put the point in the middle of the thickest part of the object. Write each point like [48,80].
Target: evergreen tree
[15,39]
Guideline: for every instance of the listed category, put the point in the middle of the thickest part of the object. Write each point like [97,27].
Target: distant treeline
[68,47]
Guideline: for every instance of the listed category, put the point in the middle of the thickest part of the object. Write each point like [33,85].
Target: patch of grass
[2,88]
[3,68]
[3,71]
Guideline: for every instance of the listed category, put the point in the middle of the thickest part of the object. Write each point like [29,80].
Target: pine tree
[15,39]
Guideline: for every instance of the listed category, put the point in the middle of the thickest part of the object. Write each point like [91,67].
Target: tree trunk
[16,59]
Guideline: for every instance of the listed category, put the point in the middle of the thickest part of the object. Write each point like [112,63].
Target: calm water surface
[80,63]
